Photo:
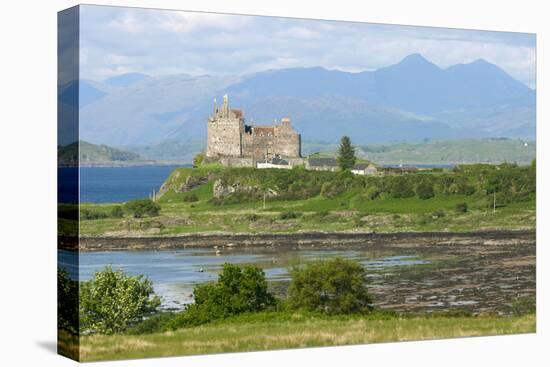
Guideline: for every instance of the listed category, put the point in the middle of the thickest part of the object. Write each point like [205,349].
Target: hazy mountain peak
[373,106]
[125,80]
[415,59]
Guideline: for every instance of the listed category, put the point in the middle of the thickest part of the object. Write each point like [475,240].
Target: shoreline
[295,240]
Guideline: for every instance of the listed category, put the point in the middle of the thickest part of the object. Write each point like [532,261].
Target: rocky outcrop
[192,182]
[222,189]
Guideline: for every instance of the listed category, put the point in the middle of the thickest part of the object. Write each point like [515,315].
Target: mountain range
[411,100]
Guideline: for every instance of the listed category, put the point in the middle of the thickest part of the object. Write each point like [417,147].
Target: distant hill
[411,100]
[96,155]
[173,149]
[125,80]
[440,152]
[465,151]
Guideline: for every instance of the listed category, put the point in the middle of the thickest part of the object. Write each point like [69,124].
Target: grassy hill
[95,155]
[247,200]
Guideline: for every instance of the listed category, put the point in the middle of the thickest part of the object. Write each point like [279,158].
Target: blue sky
[117,40]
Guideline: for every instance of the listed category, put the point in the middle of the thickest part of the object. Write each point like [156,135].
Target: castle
[234,143]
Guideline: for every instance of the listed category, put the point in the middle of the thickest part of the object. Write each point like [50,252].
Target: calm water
[117,184]
[175,273]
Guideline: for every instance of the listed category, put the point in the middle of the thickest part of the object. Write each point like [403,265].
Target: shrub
[289,215]
[92,215]
[67,302]
[112,301]
[322,214]
[425,190]
[331,189]
[372,192]
[465,189]
[524,305]
[190,198]
[335,286]
[438,214]
[401,188]
[252,217]
[142,208]
[117,212]
[238,290]
[461,207]
[156,323]
[198,159]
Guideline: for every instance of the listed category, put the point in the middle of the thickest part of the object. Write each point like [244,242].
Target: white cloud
[160,41]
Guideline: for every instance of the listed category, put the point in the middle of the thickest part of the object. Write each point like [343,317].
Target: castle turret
[225,129]
[225,107]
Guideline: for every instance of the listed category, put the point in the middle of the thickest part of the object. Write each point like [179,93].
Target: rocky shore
[306,239]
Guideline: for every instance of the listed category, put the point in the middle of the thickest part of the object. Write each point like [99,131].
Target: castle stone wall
[228,136]
[237,161]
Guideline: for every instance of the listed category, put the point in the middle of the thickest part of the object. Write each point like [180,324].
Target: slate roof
[279,161]
[320,162]
[360,166]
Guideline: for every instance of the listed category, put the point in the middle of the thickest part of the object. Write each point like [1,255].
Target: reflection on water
[175,273]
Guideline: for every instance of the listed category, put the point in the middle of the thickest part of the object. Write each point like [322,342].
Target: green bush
[524,305]
[425,190]
[156,323]
[401,187]
[465,189]
[372,192]
[330,189]
[289,215]
[335,286]
[238,290]
[142,208]
[117,212]
[67,302]
[112,301]
[190,198]
[88,214]
[252,217]
[198,159]
[461,207]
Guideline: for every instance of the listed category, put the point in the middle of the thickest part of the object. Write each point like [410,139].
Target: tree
[425,190]
[112,301]
[67,302]
[238,290]
[346,154]
[335,286]
[142,208]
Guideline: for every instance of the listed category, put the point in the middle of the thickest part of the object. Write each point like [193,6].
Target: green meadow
[476,197]
[269,330]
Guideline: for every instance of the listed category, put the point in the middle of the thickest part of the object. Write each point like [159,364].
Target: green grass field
[267,331]
[343,213]
[349,210]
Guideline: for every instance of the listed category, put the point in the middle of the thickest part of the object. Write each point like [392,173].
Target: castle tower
[225,129]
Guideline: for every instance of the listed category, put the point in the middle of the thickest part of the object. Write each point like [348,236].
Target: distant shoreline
[122,164]
[302,239]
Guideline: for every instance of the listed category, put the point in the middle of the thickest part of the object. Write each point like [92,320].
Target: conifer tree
[346,154]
